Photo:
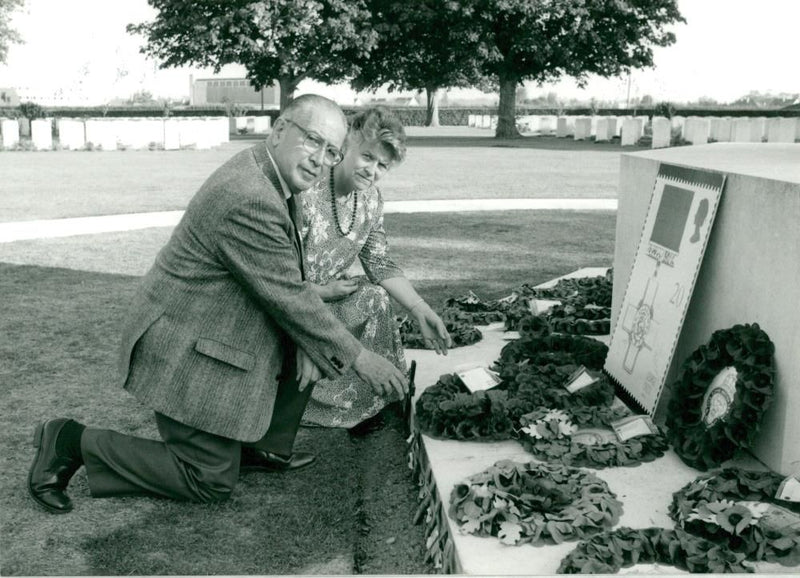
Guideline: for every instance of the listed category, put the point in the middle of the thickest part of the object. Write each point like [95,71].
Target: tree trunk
[287,86]
[432,101]
[507,109]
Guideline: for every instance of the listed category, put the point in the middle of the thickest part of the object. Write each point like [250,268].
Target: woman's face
[364,164]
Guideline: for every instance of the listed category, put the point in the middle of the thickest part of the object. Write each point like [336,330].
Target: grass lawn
[45,185]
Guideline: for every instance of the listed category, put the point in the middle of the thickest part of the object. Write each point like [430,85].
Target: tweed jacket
[224,302]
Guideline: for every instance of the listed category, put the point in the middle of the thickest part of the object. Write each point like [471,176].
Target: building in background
[233,91]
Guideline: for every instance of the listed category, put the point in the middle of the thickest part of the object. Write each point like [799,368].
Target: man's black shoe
[50,473]
[254,460]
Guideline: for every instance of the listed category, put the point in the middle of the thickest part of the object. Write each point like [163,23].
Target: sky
[726,49]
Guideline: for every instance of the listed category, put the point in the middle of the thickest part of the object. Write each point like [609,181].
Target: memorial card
[674,236]
[633,426]
[542,306]
[580,378]
[478,378]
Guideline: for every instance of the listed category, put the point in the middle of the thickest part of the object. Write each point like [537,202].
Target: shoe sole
[38,434]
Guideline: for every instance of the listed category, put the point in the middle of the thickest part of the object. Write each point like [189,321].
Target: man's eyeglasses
[313,142]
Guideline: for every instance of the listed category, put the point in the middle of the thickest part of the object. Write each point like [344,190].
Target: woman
[343,217]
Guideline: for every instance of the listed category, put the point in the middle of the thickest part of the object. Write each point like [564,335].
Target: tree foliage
[8,35]
[417,51]
[544,40]
[284,40]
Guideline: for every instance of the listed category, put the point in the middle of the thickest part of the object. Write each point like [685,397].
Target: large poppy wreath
[534,503]
[738,509]
[582,437]
[606,553]
[720,396]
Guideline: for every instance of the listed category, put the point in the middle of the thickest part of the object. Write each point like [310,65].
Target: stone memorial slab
[9,129]
[223,135]
[205,133]
[614,126]
[187,133]
[583,128]
[631,131]
[645,122]
[24,127]
[749,273]
[251,124]
[662,132]
[565,126]
[153,132]
[71,133]
[241,124]
[42,134]
[528,123]
[724,129]
[486,121]
[471,120]
[493,122]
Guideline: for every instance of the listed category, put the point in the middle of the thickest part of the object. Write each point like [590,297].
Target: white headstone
[583,128]
[741,130]
[780,130]
[153,133]
[251,124]
[614,126]
[241,124]
[547,124]
[602,133]
[100,134]
[724,129]
[71,133]
[696,130]
[261,125]
[493,122]
[593,126]
[645,121]
[187,133]
[565,126]
[172,139]
[223,134]
[486,121]
[471,120]
[678,126]
[758,129]
[9,128]
[662,132]
[206,135]
[631,131]
[42,134]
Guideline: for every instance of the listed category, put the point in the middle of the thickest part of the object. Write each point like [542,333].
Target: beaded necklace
[342,232]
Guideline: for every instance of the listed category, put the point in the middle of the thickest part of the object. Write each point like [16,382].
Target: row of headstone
[120,133]
[663,131]
[250,124]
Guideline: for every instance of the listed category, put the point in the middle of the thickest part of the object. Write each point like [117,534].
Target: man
[224,335]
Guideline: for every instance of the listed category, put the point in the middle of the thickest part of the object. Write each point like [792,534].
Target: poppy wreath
[551,349]
[458,324]
[608,552]
[732,509]
[446,411]
[579,294]
[703,443]
[543,386]
[534,503]
[549,435]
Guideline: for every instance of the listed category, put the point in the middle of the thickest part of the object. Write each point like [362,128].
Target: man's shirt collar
[286,192]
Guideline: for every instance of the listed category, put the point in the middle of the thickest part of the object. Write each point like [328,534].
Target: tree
[284,40]
[8,35]
[415,51]
[543,40]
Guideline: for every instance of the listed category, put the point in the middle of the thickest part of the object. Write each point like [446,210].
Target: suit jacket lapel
[293,208]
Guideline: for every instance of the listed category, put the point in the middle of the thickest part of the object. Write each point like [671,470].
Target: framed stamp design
[674,237]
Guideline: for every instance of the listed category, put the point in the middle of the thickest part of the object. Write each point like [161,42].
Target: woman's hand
[336,289]
[307,371]
[433,329]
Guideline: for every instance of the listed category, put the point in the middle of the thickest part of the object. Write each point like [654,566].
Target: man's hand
[307,371]
[384,378]
[336,289]
[433,329]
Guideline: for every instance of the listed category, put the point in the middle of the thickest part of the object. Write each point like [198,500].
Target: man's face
[292,138]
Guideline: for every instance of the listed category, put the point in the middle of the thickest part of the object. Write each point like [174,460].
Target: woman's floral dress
[367,313]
